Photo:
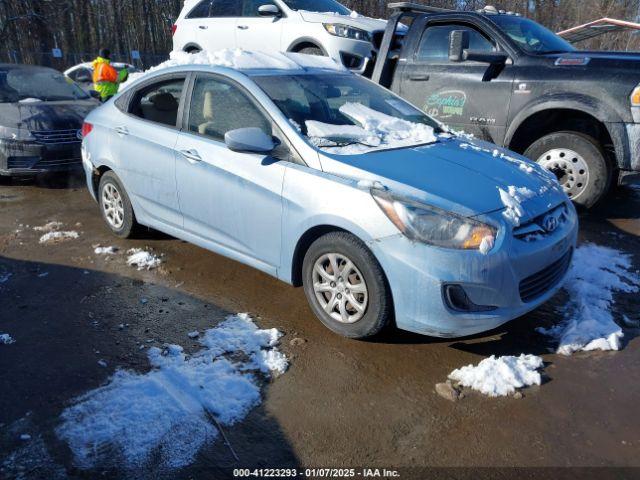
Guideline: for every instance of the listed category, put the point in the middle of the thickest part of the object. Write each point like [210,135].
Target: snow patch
[512,200]
[373,130]
[105,250]
[49,227]
[143,259]
[58,237]
[6,339]
[500,376]
[168,413]
[487,244]
[595,275]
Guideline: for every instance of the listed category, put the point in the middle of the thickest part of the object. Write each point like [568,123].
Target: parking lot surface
[77,317]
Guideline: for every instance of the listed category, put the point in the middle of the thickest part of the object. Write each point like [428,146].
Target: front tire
[578,161]
[115,206]
[346,287]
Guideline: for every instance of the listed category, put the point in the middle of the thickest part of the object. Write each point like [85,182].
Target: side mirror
[492,58]
[249,140]
[458,43]
[269,10]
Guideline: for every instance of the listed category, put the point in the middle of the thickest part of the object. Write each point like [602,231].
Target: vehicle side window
[218,107]
[434,45]
[201,10]
[159,102]
[250,7]
[81,75]
[226,8]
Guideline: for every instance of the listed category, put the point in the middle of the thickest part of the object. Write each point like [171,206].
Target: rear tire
[115,206]
[578,161]
[355,301]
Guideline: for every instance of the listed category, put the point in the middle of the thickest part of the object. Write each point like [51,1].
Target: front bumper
[417,274]
[29,158]
[356,55]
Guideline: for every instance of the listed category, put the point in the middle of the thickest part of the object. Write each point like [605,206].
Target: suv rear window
[226,8]
[201,10]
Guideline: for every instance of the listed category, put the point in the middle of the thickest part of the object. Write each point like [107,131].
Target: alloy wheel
[112,206]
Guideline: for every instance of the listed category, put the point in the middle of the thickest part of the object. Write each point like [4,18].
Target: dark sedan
[41,115]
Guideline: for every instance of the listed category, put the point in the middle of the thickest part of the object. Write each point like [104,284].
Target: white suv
[319,27]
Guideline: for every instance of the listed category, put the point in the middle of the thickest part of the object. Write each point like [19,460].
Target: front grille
[540,283]
[57,137]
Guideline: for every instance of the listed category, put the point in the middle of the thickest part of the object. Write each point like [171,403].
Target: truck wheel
[115,206]
[579,163]
[312,51]
[346,287]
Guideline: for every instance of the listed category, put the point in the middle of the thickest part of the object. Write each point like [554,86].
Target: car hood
[364,23]
[37,116]
[460,176]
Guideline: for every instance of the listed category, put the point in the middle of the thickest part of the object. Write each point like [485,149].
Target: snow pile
[49,227]
[596,274]
[142,259]
[512,200]
[502,376]
[105,250]
[373,130]
[242,60]
[6,339]
[58,237]
[168,415]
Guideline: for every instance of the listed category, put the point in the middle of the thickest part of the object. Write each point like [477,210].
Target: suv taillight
[86,129]
[174,27]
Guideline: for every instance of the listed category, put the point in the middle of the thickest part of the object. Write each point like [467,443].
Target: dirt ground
[342,403]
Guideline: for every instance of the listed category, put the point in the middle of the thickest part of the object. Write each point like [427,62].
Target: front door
[145,139]
[458,94]
[232,202]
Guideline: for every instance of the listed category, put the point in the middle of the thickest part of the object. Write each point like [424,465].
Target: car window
[201,10]
[218,107]
[226,8]
[434,45]
[159,102]
[250,7]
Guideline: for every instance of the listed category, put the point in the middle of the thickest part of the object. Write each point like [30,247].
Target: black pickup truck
[507,79]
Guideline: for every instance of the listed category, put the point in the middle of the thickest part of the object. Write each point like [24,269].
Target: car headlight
[15,134]
[635,97]
[345,31]
[434,226]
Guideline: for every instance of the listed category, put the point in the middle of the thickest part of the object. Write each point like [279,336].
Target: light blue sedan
[328,181]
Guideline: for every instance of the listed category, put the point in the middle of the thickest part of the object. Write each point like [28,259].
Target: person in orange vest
[106,79]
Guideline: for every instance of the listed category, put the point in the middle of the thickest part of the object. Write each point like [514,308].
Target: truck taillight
[86,129]
[174,28]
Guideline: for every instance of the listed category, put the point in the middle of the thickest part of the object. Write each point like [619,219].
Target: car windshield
[531,36]
[27,85]
[322,6]
[346,114]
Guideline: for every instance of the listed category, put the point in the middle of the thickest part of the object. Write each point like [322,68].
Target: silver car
[325,180]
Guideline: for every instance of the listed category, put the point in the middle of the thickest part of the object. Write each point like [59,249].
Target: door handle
[243,27]
[203,27]
[419,78]
[122,131]
[191,155]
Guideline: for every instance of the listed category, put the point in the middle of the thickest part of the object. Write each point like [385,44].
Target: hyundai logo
[550,223]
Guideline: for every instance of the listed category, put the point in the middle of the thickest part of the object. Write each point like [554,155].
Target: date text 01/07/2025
[315,473]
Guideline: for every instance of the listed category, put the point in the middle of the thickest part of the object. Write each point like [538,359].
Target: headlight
[635,97]
[15,134]
[433,226]
[346,31]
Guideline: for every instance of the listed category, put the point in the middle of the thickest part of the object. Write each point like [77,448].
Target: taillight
[86,129]
[174,27]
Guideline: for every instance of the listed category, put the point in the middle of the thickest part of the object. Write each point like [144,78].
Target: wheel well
[302,247]
[304,44]
[549,121]
[192,48]
[97,175]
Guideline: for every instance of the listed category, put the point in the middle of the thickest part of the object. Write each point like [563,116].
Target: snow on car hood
[364,23]
[451,175]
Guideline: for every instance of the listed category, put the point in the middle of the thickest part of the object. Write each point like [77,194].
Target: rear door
[231,202]
[214,23]
[256,32]
[144,140]
[458,94]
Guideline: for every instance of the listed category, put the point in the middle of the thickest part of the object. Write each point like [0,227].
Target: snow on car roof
[245,60]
